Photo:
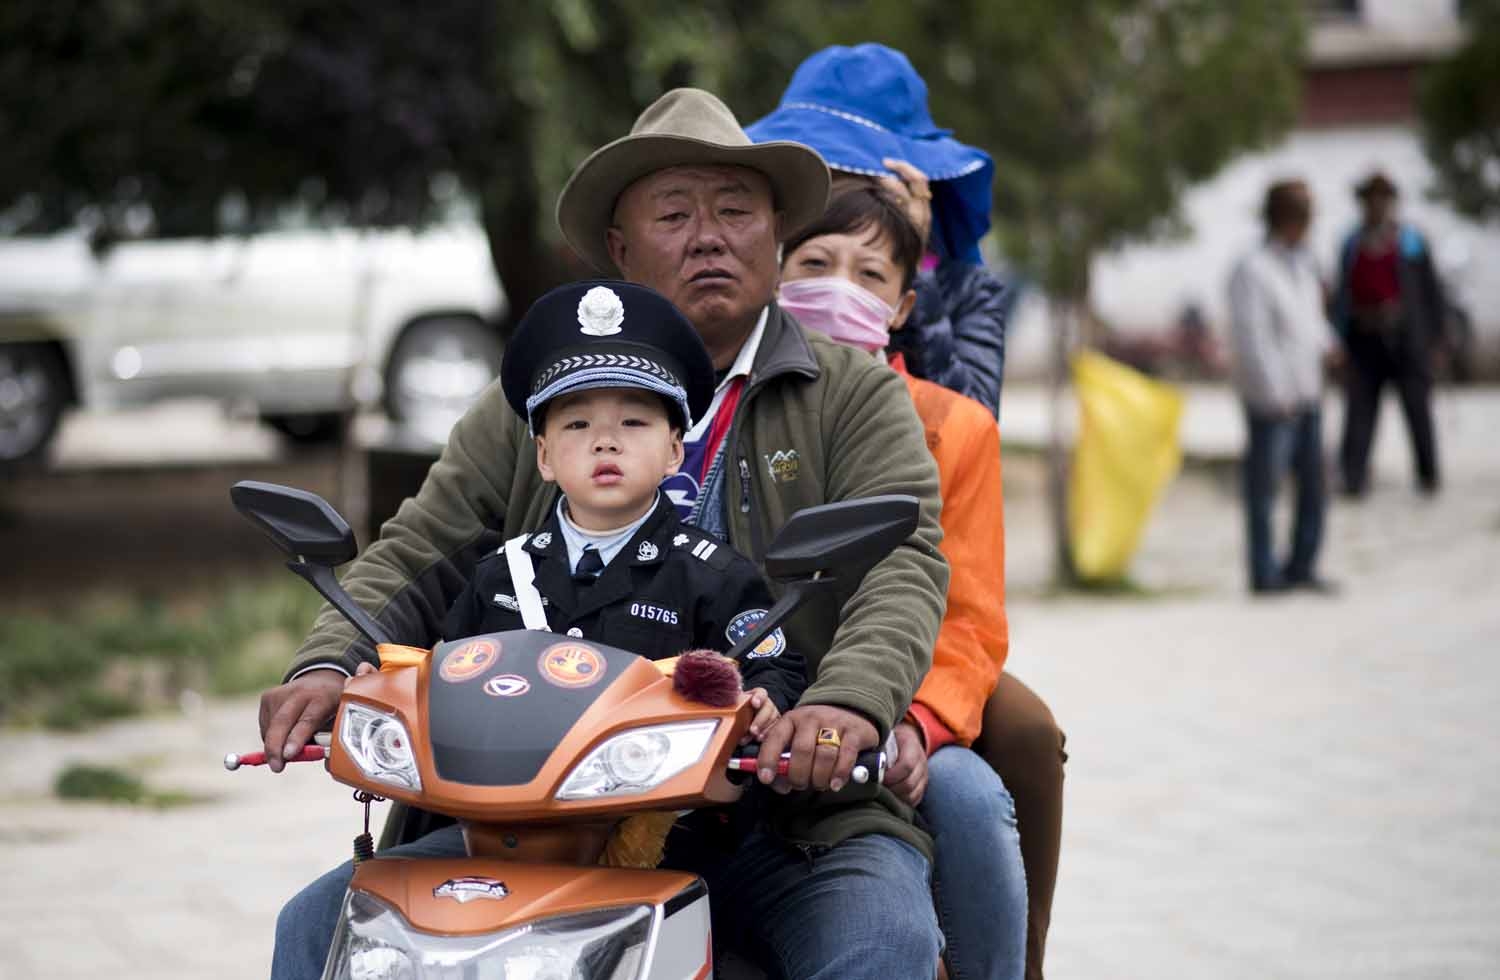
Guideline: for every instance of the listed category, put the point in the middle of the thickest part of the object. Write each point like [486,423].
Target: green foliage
[1460,107]
[85,782]
[113,658]
[1099,113]
[75,710]
[81,782]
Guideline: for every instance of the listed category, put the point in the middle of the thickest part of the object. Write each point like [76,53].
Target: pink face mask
[835,306]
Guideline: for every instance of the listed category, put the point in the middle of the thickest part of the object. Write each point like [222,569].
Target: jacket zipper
[732,441]
[744,486]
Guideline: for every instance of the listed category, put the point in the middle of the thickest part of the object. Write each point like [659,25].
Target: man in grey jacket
[687,206]
[1280,338]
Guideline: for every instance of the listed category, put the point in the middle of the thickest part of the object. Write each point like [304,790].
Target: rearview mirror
[302,524]
[850,534]
[315,539]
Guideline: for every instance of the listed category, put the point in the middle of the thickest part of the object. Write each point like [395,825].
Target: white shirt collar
[607,543]
[745,359]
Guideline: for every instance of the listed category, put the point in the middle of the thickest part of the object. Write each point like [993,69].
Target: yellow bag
[1127,453]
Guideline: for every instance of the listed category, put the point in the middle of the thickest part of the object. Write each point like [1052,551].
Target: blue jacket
[955,336]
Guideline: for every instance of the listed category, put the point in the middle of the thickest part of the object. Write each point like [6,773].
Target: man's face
[1379,207]
[705,238]
[609,449]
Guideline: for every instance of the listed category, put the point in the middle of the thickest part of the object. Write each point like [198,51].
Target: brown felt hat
[686,126]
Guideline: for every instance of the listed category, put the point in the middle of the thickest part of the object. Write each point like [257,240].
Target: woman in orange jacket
[849,277]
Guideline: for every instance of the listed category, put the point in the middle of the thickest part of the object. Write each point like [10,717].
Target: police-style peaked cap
[606,334]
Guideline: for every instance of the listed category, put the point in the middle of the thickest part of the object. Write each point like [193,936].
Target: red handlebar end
[309,753]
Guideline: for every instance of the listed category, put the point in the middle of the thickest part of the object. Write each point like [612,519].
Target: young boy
[609,375]
[849,276]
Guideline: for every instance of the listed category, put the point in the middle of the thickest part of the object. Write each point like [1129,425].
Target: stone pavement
[1296,787]
[1300,787]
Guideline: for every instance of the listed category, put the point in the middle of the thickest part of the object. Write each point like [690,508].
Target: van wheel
[308,428]
[33,391]
[438,367]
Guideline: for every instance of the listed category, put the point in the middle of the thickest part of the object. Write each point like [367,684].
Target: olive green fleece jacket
[818,422]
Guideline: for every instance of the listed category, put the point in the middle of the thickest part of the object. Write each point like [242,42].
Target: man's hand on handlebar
[291,713]
[813,765]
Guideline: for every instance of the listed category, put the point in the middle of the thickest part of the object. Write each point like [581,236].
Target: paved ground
[1304,787]
[1296,788]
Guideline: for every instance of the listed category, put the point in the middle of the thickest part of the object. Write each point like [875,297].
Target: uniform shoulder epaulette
[707,549]
[498,554]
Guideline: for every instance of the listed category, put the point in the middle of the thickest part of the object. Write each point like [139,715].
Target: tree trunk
[513,212]
[1062,314]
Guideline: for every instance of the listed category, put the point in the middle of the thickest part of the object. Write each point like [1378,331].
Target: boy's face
[609,449]
[861,257]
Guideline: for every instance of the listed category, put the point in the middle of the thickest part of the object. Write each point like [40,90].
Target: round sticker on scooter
[571,665]
[469,661]
[506,686]
[741,626]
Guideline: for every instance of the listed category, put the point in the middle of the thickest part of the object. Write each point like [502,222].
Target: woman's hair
[857,209]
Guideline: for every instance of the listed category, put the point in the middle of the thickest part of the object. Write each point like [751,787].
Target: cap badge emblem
[600,312]
[647,551]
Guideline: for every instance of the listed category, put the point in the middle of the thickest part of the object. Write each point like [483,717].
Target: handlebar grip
[309,753]
[870,762]
[864,777]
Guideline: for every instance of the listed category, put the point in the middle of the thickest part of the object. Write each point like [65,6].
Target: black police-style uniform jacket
[672,588]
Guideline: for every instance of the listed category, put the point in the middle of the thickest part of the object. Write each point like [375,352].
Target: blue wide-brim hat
[859,105]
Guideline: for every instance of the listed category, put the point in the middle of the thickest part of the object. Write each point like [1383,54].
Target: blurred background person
[864,109]
[1389,308]
[1280,338]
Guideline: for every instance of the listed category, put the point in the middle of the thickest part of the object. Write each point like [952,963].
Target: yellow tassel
[638,841]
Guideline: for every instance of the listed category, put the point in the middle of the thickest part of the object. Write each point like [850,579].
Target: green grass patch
[108,784]
[112,657]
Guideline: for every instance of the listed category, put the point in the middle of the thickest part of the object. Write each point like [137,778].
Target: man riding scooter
[687,205]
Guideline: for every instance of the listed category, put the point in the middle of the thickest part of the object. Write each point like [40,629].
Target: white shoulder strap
[522,579]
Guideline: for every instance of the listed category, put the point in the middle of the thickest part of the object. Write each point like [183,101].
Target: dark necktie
[589,566]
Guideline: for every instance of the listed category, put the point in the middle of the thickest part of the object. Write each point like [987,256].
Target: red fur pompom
[707,677]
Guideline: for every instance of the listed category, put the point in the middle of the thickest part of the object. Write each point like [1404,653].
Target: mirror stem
[323,579]
[796,594]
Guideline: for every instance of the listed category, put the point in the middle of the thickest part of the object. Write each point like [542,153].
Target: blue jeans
[1276,445]
[979,881]
[861,909]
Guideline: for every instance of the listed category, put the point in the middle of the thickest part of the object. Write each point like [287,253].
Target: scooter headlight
[638,760]
[374,942]
[379,744]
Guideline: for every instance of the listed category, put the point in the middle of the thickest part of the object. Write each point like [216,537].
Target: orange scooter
[540,746]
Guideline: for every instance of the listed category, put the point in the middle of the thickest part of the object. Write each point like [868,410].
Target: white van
[303,324]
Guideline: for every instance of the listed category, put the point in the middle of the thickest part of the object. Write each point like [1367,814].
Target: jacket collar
[784,349]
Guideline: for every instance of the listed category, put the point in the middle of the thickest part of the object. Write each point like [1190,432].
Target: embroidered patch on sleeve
[740,627]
